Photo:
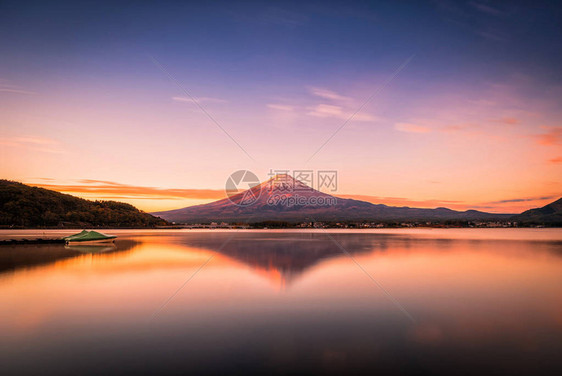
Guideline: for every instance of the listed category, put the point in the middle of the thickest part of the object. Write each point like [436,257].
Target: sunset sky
[465,108]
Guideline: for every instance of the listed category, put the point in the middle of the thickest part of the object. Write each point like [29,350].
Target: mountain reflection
[481,305]
[282,258]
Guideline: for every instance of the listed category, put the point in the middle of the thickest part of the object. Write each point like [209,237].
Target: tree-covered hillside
[25,206]
[548,215]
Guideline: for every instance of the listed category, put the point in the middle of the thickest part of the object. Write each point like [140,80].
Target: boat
[89,237]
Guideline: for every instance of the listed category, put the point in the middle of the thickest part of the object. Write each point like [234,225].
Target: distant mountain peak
[284,198]
[286,181]
[280,185]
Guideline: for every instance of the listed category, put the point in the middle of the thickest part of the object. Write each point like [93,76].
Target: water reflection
[280,257]
[284,257]
[481,305]
[17,257]
[92,248]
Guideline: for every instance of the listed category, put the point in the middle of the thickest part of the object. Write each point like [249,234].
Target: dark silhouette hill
[550,215]
[25,206]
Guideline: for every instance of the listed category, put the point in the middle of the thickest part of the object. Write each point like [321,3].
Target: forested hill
[25,206]
[548,215]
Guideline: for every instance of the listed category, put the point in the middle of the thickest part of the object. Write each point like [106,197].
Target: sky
[425,104]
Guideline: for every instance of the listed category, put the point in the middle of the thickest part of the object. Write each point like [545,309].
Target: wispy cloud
[486,8]
[281,107]
[91,181]
[328,94]
[6,87]
[326,110]
[454,128]
[104,189]
[29,140]
[114,190]
[15,91]
[402,201]
[482,19]
[552,136]
[482,102]
[411,128]
[45,145]
[331,111]
[514,205]
[335,106]
[507,120]
[492,35]
[524,199]
[199,100]
[555,160]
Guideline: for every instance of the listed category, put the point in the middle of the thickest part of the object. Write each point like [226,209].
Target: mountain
[25,206]
[550,215]
[234,209]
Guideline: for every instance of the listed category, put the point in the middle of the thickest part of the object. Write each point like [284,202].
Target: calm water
[352,302]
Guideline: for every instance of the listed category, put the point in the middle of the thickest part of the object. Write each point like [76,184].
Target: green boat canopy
[88,236]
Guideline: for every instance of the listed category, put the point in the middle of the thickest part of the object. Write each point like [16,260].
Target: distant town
[354,225]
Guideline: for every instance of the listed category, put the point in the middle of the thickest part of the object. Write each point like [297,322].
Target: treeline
[25,206]
[381,224]
[272,224]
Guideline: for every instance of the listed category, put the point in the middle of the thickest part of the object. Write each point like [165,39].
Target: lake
[403,301]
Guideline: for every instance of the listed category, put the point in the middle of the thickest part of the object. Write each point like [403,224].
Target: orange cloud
[454,128]
[114,190]
[400,201]
[45,145]
[556,160]
[102,189]
[515,205]
[507,120]
[524,199]
[553,136]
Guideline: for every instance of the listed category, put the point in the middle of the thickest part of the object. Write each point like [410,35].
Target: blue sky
[484,81]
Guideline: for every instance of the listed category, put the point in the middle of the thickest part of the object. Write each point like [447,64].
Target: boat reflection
[92,248]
